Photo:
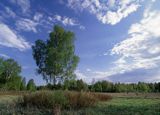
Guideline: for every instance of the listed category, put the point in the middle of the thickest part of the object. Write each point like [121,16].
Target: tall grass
[64,99]
[78,100]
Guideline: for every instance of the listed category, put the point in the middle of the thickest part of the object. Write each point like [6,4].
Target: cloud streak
[26,25]
[67,21]
[4,56]
[10,38]
[23,4]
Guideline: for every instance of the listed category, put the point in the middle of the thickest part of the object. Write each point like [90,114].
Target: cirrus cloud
[68,21]
[10,38]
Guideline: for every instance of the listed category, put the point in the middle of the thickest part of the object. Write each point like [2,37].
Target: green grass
[122,106]
[116,106]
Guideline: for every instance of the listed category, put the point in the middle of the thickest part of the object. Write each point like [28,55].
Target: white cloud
[4,56]
[26,25]
[82,27]
[141,50]
[65,20]
[68,21]
[23,4]
[104,11]
[9,38]
[113,18]
[38,16]
[80,75]
[10,12]
[111,2]
[88,69]
[90,75]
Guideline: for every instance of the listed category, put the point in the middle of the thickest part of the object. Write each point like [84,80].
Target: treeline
[10,78]
[103,86]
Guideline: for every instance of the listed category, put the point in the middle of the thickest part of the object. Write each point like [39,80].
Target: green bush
[59,99]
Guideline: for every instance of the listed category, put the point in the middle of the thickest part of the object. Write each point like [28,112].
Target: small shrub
[80,99]
[59,99]
[42,99]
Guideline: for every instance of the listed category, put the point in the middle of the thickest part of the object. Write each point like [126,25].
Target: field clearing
[121,104]
[135,95]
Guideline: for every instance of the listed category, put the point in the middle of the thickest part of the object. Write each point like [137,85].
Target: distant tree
[23,84]
[14,83]
[9,74]
[55,58]
[97,87]
[81,86]
[106,86]
[143,87]
[70,84]
[31,85]
[49,86]
[157,87]
[8,69]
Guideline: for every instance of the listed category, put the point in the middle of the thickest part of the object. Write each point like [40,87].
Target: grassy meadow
[120,104]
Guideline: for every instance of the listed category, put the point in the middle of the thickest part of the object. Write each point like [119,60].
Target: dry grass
[102,96]
[80,99]
[66,99]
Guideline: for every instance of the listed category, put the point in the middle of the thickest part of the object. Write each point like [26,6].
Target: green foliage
[59,99]
[55,58]
[70,84]
[8,69]
[97,87]
[81,86]
[142,87]
[9,74]
[31,85]
[23,84]
[14,83]
[105,86]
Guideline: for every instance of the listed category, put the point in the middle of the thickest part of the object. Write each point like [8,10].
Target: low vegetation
[63,99]
[118,105]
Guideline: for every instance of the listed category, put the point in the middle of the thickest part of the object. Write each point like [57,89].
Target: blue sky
[116,40]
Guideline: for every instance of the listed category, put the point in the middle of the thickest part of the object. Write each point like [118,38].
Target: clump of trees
[103,86]
[31,85]
[10,78]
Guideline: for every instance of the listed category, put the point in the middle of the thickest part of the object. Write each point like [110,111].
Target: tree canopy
[31,85]
[55,58]
[10,78]
[8,69]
